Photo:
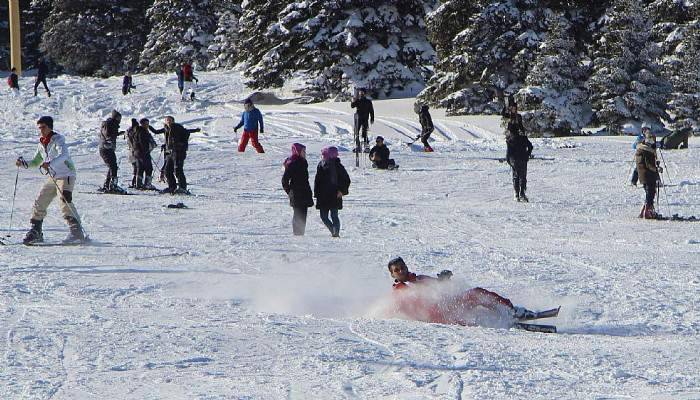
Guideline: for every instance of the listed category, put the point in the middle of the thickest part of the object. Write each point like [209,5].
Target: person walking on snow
[427,127]
[365,113]
[648,171]
[512,120]
[187,78]
[127,83]
[142,143]
[108,146]
[331,183]
[42,70]
[175,149]
[379,155]
[519,150]
[295,183]
[250,120]
[52,156]
[13,82]
[451,308]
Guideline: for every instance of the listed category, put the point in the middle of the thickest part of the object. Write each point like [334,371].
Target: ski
[541,314]
[503,159]
[112,193]
[535,327]
[85,242]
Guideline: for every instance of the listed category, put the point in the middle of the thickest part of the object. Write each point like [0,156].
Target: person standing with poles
[53,157]
[108,145]
[250,120]
[365,114]
[175,149]
[42,70]
[427,127]
[648,171]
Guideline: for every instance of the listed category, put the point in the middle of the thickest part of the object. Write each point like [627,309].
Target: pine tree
[336,45]
[223,50]
[4,37]
[554,101]
[685,105]
[181,32]
[489,57]
[626,83]
[34,17]
[98,37]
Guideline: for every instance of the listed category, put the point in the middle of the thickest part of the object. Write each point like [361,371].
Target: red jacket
[187,72]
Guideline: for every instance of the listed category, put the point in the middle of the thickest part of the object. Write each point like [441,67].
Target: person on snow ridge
[187,78]
[127,83]
[331,183]
[52,156]
[635,175]
[295,183]
[108,145]
[518,153]
[141,144]
[648,171]
[176,144]
[251,118]
[380,155]
[365,113]
[427,127]
[13,82]
[476,297]
[42,70]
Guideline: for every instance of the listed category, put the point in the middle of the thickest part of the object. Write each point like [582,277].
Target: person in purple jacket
[250,119]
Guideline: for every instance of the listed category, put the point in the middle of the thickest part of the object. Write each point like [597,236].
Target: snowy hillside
[220,301]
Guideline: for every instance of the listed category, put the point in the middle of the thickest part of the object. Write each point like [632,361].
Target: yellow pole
[15,45]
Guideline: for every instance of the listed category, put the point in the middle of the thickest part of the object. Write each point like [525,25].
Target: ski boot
[167,190]
[517,197]
[182,190]
[76,232]
[521,313]
[524,198]
[115,188]
[139,183]
[648,212]
[148,184]
[34,235]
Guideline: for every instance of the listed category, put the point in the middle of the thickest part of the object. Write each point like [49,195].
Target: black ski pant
[299,220]
[38,81]
[110,158]
[334,225]
[144,166]
[174,169]
[519,168]
[363,126]
[385,164]
[424,138]
[650,189]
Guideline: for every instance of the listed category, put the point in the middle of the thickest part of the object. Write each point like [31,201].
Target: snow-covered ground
[220,301]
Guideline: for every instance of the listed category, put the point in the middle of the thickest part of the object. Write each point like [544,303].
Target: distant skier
[648,171]
[127,83]
[176,145]
[13,82]
[380,155]
[332,182]
[441,304]
[512,120]
[108,145]
[517,155]
[427,127]
[141,144]
[187,85]
[53,157]
[180,80]
[42,70]
[251,119]
[365,113]
[295,183]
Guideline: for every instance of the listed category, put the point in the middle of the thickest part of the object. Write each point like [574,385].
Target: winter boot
[648,212]
[34,235]
[522,313]
[106,186]
[115,188]
[524,198]
[517,196]
[148,184]
[76,232]
[181,190]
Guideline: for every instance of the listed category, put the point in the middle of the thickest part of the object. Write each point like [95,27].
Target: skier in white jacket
[53,158]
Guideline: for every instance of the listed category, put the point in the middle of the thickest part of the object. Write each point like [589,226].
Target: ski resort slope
[220,301]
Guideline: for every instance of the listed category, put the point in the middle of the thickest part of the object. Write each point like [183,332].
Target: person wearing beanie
[331,183]
[379,155]
[53,158]
[251,119]
[108,146]
[295,183]
[175,149]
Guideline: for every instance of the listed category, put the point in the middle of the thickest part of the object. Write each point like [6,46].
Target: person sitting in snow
[447,310]
[380,155]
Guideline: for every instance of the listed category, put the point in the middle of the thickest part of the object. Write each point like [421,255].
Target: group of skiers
[42,71]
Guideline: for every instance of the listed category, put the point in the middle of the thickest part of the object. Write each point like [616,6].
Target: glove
[444,275]
[235,130]
[20,162]
[162,147]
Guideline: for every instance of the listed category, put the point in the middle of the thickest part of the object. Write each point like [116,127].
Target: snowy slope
[220,301]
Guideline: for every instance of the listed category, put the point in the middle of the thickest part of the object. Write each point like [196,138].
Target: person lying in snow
[431,299]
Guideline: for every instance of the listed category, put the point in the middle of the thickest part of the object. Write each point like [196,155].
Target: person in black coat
[142,143]
[42,70]
[127,83]
[380,155]
[517,155]
[13,81]
[427,127]
[365,112]
[332,182]
[108,145]
[295,182]
[176,144]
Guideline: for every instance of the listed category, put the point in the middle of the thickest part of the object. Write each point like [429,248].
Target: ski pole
[665,166]
[70,205]
[14,194]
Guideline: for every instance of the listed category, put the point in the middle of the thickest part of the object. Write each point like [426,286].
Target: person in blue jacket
[635,174]
[250,120]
